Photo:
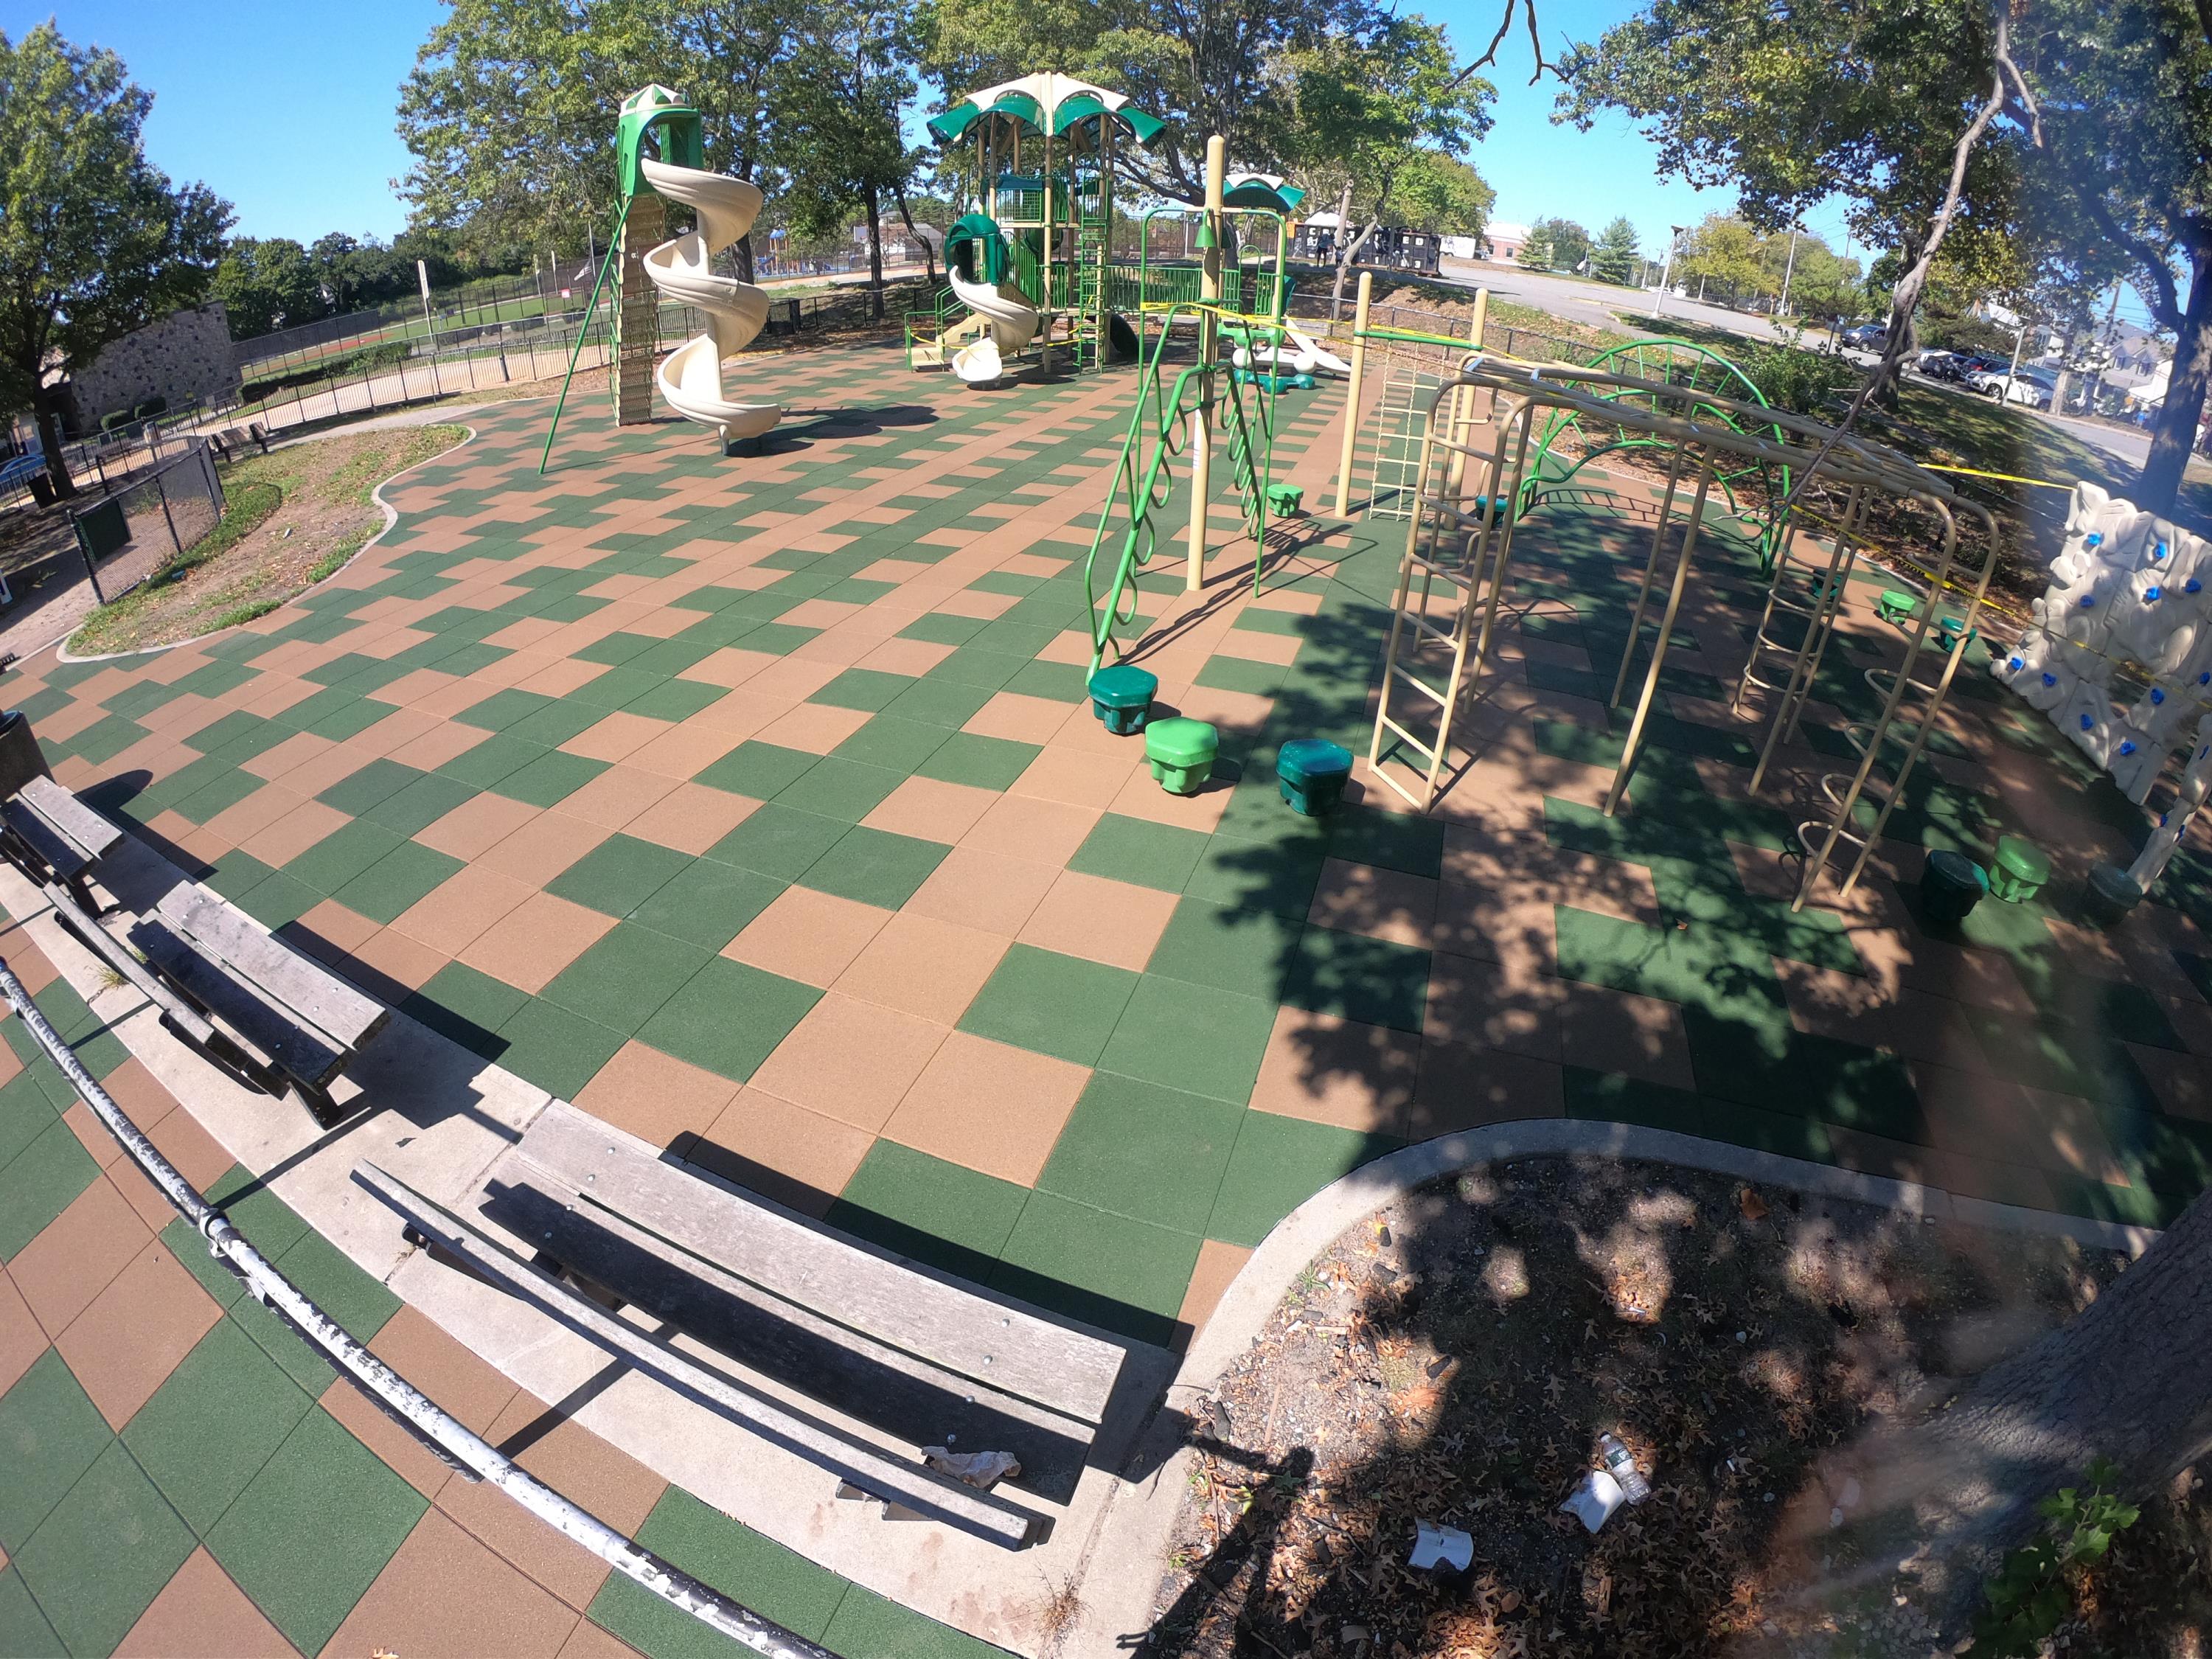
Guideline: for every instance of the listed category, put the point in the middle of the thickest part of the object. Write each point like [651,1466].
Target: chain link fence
[159,515]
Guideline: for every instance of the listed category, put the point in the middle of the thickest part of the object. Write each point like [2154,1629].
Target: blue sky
[286,110]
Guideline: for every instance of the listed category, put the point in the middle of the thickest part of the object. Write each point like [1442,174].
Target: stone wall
[184,356]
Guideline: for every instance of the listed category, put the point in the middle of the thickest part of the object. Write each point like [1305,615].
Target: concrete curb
[1127,1553]
[60,646]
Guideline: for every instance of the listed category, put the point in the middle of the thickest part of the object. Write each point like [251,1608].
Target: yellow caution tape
[2004,477]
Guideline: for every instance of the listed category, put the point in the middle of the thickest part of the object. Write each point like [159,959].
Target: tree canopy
[94,241]
[1614,255]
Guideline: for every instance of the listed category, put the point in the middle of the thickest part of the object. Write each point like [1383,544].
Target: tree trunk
[742,249]
[2173,433]
[875,255]
[2125,1379]
[928,253]
[1343,252]
[46,409]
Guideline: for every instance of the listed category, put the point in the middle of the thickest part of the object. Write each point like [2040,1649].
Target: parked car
[2026,385]
[1935,364]
[1867,337]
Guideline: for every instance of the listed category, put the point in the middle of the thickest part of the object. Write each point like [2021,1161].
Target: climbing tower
[677,128]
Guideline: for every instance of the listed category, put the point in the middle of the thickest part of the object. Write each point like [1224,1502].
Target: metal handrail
[440,1432]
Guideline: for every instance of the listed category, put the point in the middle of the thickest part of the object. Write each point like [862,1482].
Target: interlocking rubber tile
[1188,1037]
[619,875]
[23,1628]
[980,762]
[867,1624]
[874,866]
[466,1006]
[1395,841]
[707,903]
[26,1112]
[622,980]
[1368,980]
[762,770]
[313,1528]
[547,778]
[1106,1269]
[337,859]
[1050,1004]
[104,1553]
[1277,1164]
[418,804]
[50,1434]
[863,688]
[358,792]
[780,842]
[392,885]
[728,1017]
[776,1583]
[555,1048]
[842,788]
[937,703]
[1154,1154]
[1137,850]
[331,1279]
[923,1207]
[38,1183]
[1250,952]
[893,742]
[209,1429]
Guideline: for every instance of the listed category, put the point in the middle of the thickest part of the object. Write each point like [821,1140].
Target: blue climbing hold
[2158,552]
[2192,585]
[2016,664]
[2049,678]
[2096,538]
[2127,747]
[2151,593]
[2086,723]
[2157,696]
[2088,601]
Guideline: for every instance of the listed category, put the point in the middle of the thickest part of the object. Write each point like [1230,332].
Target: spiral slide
[1012,325]
[1299,353]
[690,377]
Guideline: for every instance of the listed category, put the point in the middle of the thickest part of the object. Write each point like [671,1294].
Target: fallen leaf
[1752,1205]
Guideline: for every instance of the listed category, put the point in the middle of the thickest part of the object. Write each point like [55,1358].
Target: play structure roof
[1260,190]
[1045,102]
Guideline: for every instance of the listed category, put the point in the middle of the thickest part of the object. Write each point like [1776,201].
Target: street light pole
[1666,271]
[1788,271]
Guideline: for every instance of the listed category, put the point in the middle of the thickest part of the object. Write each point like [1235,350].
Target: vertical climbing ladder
[1804,597]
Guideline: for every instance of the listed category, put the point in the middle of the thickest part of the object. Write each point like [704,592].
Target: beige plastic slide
[690,377]
[1299,353]
[1013,325]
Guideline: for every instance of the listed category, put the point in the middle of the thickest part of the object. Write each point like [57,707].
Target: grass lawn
[290,518]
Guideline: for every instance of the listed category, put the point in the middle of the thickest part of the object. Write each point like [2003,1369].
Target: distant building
[1505,242]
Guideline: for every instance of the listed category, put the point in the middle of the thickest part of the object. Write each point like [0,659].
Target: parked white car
[2020,386]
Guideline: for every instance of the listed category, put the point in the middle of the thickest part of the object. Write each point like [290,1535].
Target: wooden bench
[51,836]
[798,1307]
[304,1021]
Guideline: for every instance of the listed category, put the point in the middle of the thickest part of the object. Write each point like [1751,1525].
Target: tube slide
[690,377]
[1012,325]
[1298,354]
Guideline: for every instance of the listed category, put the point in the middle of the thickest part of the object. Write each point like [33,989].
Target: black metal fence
[161,514]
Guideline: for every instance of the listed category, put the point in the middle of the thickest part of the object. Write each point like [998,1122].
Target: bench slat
[892,1302]
[279,974]
[61,809]
[292,1045]
[873,1471]
[111,950]
[51,848]
[908,1398]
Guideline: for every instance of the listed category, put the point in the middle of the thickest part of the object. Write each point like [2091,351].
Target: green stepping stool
[1311,773]
[1895,607]
[1951,885]
[1183,752]
[1284,499]
[2111,896]
[2020,872]
[1121,698]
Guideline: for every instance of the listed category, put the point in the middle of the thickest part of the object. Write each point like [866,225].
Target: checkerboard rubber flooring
[754,805]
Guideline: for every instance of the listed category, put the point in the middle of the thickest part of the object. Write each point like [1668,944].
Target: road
[1596,303]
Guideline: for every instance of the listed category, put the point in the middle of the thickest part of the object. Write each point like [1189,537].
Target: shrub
[110,422]
[150,408]
[1804,382]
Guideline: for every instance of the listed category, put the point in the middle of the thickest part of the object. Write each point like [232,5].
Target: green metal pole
[591,311]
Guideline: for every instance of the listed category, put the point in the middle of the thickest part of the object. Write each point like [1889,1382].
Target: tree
[1613,259]
[1535,253]
[1823,282]
[1569,244]
[1442,194]
[2126,92]
[1728,251]
[267,284]
[1383,113]
[843,143]
[94,241]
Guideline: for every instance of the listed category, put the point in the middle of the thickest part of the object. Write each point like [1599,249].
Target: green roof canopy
[1260,190]
[1048,103]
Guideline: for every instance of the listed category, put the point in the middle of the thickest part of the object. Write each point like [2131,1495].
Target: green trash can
[2020,872]
[1311,773]
[1121,697]
[1181,752]
[1951,884]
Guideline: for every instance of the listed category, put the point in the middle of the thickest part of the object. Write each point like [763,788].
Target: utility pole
[1666,271]
[1788,271]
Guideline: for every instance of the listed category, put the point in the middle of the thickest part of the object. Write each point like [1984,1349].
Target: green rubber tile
[313,1528]
[1153,1154]
[238,727]
[554,724]
[1277,1165]
[466,1006]
[840,788]
[943,628]
[774,1582]
[340,1287]
[939,702]
[708,903]
[675,701]
[1610,1097]
[1051,1003]
[24,1631]
[1250,952]
[484,764]
[1392,841]
[50,1434]
[868,1626]
[26,1111]
[974,665]
[505,709]
[1276,876]
[548,778]
[980,762]
[103,1554]
[189,1248]
[889,741]
[256,1210]
[219,1418]
[1139,851]
[868,689]
[1055,681]
[1194,1037]
[417,805]
[673,657]
[762,770]
[778,639]
[950,1217]
[623,980]
[306,1365]
[357,792]
[1369,980]
[1105,1269]
[211,799]
[555,1047]
[616,687]
[874,866]
[616,649]
[37,1184]
[396,883]
[1257,679]
[237,875]
[619,874]
[778,842]
[2167,1155]
[729,1016]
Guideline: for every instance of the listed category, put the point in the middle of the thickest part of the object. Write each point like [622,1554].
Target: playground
[988,797]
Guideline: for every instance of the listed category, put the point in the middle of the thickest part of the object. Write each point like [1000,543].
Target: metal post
[1201,418]
[443,1434]
[1344,453]
[169,518]
[1788,271]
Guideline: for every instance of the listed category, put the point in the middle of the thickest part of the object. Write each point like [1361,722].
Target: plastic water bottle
[1622,1467]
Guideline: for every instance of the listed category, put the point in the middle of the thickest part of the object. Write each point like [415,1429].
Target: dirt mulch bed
[293,517]
[1455,1358]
